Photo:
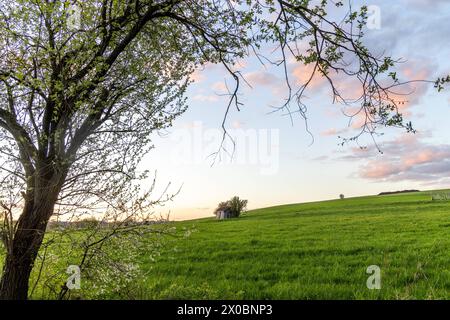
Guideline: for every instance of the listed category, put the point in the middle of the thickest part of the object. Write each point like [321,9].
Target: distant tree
[237,206]
[341,196]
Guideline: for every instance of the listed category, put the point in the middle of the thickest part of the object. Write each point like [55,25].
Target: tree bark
[28,238]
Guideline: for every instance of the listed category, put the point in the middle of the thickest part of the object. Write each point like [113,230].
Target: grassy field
[313,251]
[305,251]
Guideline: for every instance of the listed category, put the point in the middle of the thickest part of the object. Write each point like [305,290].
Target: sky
[277,161]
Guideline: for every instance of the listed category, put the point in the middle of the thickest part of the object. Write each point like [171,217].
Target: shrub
[341,196]
[237,206]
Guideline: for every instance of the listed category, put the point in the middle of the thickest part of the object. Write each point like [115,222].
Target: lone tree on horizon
[79,99]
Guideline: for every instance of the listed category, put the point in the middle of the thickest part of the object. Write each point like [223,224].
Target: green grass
[306,251]
[312,251]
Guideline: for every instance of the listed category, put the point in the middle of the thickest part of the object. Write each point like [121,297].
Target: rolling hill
[317,250]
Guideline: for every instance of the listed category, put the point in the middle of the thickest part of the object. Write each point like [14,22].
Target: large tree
[84,83]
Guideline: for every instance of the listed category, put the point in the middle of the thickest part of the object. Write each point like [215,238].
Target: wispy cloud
[261,78]
[205,98]
[333,132]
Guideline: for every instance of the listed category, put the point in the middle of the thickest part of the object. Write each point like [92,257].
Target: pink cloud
[220,87]
[421,157]
[197,76]
[332,132]
[276,85]
[205,98]
[411,94]
[302,74]
[377,170]
[261,78]
[407,158]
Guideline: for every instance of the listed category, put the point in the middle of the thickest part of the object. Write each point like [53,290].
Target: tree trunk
[16,275]
[28,238]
